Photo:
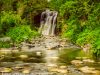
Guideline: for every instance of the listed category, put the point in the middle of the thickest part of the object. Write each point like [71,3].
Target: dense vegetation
[80,22]
[17,19]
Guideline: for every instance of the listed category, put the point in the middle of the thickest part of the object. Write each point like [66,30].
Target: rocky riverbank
[41,56]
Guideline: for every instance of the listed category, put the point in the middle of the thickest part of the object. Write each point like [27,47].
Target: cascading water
[48,22]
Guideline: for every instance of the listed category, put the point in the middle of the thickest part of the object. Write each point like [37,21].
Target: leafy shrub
[96,48]
[56,4]
[21,33]
[67,7]
[73,29]
[82,20]
[8,20]
[5,44]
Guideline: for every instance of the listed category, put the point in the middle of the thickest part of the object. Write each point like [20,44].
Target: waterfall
[48,22]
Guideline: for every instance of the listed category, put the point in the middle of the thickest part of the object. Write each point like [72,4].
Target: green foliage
[75,7]
[16,16]
[30,8]
[27,9]
[6,4]
[8,20]
[73,28]
[55,4]
[91,31]
[21,33]
[82,20]
[96,47]
[88,36]
[5,44]
[67,8]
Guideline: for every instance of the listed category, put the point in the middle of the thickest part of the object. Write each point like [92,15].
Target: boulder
[56,69]
[82,58]
[62,67]
[76,62]
[51,65]
[63,71]
[53,69]
[88,61]
[6,70]
[26,71]
[39,53]
[89,70]
[23,56]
